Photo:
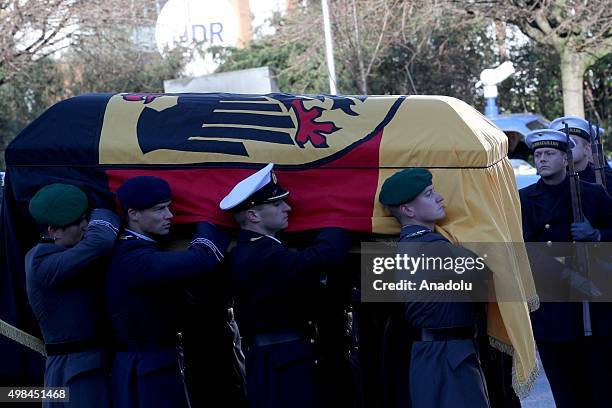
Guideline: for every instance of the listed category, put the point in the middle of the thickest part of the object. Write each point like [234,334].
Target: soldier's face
[427,207]
[155,220]
[581,151]
[273,217]
[549,161]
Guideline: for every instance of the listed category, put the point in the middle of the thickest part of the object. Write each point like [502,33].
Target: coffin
[331,152]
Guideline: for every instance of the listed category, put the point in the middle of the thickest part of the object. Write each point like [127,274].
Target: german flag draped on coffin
[331,152]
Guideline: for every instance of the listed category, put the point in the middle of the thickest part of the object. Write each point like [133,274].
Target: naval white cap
[260,187]
[548,138]
[576,127]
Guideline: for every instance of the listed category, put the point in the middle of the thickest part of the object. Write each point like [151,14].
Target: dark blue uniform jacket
[273,285]
[588,174]
[144,291]
[547,216]
[275,290]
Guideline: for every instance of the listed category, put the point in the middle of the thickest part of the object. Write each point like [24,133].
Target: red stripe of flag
[340,193]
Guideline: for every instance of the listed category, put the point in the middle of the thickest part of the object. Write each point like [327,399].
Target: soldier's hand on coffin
[584,231]
[208,230]
[580,283]
[105,215]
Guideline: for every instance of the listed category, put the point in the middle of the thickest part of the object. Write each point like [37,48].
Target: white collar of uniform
[274,238]
[140,235]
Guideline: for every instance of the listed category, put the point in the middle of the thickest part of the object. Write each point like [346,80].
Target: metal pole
[329,49]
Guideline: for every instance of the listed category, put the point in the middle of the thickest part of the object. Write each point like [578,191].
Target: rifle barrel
[598,156]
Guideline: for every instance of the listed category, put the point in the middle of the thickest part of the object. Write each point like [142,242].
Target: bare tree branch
[580,31]
[33,29]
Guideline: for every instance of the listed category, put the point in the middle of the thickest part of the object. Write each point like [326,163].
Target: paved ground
[540,396]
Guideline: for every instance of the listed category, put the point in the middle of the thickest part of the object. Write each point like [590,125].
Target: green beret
[58,205]
[404,186]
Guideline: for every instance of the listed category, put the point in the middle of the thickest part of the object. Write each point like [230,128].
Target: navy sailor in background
[275,290]
[145,289]
[574,339]
[64,285]
[578,129]
[444,363]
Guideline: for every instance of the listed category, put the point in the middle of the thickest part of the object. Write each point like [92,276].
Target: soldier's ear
[133,214]
[55,232]
[406,210]
[252,216]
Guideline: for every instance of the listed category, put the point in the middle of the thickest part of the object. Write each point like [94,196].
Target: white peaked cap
[249,186]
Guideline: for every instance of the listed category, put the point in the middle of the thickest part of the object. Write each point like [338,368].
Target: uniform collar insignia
[417,233]
[141,236]
[411,231]
[252,236]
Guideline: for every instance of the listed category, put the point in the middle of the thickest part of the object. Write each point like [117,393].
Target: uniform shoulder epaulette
[256,238]
[128,236]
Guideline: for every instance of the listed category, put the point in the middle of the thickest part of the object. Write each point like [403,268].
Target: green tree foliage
[448,62]
[442,58]
[26,96]
[49,80]
[536,85]
[598,85]
[125,70]
[309,77]
[381,47]
[75,47]
[31,30]
[440,49]
[577,30]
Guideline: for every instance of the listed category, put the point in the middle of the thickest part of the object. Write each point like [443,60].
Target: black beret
[404,186]
[58,205]
[143,192]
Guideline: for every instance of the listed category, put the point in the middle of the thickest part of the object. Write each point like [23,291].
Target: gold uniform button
[547,226]
[549,243]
